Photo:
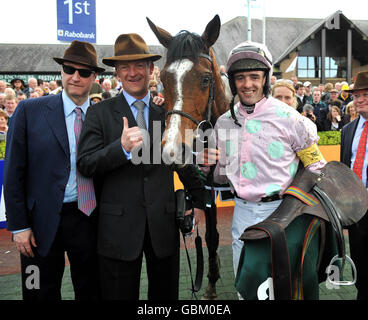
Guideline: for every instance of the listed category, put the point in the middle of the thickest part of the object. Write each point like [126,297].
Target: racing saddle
[336,195]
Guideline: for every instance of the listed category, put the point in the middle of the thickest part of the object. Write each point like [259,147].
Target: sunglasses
[84,73]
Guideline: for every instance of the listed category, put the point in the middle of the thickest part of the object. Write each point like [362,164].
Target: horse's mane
[185,45]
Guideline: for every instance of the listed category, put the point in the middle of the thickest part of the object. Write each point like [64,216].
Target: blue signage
[76,20]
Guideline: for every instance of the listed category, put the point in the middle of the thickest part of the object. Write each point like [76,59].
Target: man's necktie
[86,191]
[140,116]
[359,159]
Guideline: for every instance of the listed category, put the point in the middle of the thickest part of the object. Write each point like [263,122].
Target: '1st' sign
[76,20]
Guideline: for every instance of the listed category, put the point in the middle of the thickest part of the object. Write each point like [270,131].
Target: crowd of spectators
[329,106]
[104,88]
[15,91]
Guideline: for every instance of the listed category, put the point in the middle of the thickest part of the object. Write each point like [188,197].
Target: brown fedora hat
[361,82]
[130,47]
[83,53]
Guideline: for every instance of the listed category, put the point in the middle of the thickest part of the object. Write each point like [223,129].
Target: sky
[34,21]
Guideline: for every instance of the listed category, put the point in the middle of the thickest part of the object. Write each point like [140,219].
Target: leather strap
[180,195]
[280,259]
[196,286]
[322,242]
[335,220]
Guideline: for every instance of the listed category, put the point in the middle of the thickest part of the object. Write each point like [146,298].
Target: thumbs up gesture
[131,137]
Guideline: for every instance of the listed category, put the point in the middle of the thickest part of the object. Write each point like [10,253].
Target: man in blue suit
[50,207]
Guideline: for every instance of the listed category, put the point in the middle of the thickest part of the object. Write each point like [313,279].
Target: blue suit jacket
[36,169]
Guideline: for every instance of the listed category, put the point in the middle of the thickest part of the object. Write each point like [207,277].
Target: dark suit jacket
[300,105]
[36,169]
[326,125]
[133,196]
[347,136]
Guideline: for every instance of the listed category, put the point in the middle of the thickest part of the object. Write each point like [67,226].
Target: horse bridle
[211,97]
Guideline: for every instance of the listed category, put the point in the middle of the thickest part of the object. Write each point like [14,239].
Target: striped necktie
[362,146]
[86,191]
[140,116]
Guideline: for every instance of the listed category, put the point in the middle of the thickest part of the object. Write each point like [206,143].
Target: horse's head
[190,78]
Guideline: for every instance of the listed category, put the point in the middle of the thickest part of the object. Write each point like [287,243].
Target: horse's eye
[205,81]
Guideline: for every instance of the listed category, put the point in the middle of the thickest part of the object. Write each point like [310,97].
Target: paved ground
[10,285]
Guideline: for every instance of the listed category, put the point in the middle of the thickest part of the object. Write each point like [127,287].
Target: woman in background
[285,92]
[333,121]
[350,113]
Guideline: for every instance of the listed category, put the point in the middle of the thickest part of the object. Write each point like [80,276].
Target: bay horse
[194,91]
[194,98]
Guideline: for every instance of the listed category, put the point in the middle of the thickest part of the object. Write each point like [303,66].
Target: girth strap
[280,259]
[303,196]
[313,228]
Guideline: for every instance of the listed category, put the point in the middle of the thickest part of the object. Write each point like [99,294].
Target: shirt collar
[361,121]
[130,99]
[69,105]
[257,107]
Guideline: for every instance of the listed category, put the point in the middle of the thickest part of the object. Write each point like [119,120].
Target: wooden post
[349,56]
[323,55]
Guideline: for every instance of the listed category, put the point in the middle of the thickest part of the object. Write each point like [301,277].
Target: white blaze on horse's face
[173,151]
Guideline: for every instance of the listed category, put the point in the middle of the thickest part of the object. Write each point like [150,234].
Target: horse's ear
[212,31]
[162,35]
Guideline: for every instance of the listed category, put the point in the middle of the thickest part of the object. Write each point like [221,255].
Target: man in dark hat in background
[49,204]
[137,211]
[354,155]
[18,86]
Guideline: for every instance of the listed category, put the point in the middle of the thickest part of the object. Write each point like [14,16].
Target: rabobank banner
[76,20]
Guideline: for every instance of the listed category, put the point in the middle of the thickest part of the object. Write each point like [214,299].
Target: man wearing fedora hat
[354,155]
[137,205]
[49,204]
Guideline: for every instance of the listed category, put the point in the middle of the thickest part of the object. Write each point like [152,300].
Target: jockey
[260,142]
